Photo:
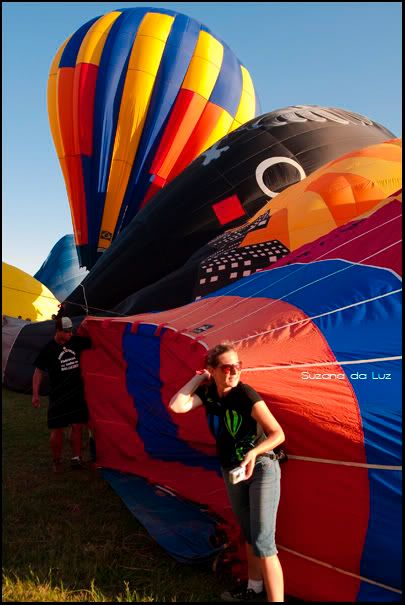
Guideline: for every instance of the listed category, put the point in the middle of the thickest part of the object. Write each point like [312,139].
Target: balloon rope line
[53,299]
[85,299]
[323,363]
[351,240]
[268,304]
[105,311]
[304,265]
[237,286]
[309,319]
[383,467]
[399,216]
[342,571]
[302,268]
[253,277]
[350,266]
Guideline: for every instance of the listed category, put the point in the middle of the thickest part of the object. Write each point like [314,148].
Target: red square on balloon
[228,210]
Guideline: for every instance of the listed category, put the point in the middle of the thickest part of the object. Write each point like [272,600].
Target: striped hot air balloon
[133,97]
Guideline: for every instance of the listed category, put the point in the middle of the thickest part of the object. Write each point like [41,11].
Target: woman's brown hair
[215,352]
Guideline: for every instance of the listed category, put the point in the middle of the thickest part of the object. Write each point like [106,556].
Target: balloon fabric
[133,97]
[222,189]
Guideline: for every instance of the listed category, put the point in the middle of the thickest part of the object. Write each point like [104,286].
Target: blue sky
[337,54]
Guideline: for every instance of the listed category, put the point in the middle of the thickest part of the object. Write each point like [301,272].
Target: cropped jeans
[255,502]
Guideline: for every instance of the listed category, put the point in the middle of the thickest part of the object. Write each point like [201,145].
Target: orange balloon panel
[335,194]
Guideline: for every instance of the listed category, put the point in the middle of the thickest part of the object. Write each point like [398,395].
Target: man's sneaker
[76,464]
[243,593]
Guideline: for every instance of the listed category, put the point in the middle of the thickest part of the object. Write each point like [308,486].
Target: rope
[342,571]
[114,313]
[382,467]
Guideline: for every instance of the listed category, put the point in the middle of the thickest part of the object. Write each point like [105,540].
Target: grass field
[68,537]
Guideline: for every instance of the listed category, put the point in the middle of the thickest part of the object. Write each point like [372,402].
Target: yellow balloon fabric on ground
[25,296]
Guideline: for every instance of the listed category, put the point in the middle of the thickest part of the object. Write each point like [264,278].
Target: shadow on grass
[68,536]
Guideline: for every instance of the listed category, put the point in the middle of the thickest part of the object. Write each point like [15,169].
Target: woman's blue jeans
[255,503]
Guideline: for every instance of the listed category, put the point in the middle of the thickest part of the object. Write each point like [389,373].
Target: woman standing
[245,432]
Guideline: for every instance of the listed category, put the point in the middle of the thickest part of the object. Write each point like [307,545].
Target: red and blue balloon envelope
[319,339]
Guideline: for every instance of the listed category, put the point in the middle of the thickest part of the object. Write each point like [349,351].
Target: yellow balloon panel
[52,95]
[25,296]
[93,43]
[205,66]
[247,105]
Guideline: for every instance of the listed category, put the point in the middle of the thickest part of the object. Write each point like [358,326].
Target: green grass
[69,537]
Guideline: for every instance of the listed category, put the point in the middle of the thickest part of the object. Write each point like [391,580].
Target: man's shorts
[255,503]
[61,415]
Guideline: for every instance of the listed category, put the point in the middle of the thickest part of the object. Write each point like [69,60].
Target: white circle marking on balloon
[271,162]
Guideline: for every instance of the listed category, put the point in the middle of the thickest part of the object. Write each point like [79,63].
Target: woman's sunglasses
[227,368]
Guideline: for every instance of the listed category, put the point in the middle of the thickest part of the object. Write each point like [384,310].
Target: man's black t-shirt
[230,421]
[62,364]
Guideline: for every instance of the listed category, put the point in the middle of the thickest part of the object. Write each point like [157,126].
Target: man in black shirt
[67,405]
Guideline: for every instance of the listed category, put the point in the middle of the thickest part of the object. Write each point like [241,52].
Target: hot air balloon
[320,340]
[60,272]
[330,197]
[133,97]
[25,296]
[220,190]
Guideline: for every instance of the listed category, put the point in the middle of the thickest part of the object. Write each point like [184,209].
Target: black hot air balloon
[221,189]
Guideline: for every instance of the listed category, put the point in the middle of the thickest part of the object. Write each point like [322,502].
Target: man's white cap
[66,323]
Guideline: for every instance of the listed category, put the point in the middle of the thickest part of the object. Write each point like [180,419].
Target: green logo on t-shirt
[232,421]
[244,446]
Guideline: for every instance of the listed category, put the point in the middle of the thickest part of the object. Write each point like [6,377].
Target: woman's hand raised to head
[204,373]
[185,399]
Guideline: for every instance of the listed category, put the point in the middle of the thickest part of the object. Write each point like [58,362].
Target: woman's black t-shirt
[230,421]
